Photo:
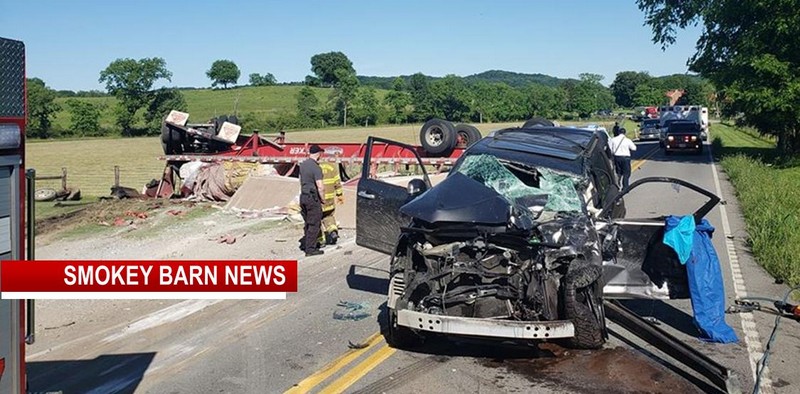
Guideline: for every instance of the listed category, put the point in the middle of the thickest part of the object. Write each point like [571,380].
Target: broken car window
[524,186]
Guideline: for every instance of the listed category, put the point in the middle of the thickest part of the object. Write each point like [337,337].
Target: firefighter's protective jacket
[332,186]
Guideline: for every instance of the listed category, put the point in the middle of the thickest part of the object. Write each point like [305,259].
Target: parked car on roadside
[521,241]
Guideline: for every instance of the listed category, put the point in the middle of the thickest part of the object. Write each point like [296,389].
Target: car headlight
[694,138]
[670,138]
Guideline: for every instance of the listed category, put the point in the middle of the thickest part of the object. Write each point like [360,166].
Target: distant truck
[696,113]
[683,135]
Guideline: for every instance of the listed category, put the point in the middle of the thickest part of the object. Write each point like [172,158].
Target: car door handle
[366,195]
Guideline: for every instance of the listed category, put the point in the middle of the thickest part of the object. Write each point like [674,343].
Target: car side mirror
[416,187]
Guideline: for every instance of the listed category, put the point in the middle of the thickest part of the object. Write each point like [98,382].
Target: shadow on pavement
[664,313]
[113,373]
[365,279]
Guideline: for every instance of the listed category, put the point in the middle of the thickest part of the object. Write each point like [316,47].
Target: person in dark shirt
[311,197]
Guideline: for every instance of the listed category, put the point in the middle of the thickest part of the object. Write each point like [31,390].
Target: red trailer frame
[257,149]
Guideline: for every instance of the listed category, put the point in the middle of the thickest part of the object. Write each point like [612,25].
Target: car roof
[559,148]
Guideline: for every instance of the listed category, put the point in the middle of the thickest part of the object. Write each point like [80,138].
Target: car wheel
[537,121]
[584,307]
[438,137]
[400,337]
[466,135]
[46,194]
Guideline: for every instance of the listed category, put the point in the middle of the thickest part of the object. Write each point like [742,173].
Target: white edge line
[751,337]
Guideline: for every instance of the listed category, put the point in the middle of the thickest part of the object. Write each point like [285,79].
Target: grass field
[769,192]
[204,104]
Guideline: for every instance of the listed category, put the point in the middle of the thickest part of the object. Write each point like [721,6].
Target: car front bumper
[495,328]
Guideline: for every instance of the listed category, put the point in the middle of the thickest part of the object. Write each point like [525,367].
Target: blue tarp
[680,235]
[705,278]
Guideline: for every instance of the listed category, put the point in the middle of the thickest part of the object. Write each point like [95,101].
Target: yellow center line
[640,162]
[334,366]
[358,372]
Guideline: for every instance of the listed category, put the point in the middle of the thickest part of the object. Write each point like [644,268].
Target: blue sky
[70,42]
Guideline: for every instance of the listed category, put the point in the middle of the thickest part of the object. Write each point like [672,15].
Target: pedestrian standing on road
[622,146]
[311,189]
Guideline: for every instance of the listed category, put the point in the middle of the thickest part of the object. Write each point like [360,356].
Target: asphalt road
[197,346]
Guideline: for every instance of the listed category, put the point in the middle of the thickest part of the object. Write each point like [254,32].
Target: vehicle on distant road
[521,241]
[683,135]
[649,130]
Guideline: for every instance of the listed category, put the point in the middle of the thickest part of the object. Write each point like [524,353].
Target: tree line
[353,100]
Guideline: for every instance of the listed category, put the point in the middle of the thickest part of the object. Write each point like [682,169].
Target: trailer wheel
[466,135]
[584,307]
[438,137]
[538,121]
[46,194]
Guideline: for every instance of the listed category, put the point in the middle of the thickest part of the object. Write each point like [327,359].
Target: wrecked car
[522,240]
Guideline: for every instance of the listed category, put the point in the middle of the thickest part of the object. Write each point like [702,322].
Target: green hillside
[204,104]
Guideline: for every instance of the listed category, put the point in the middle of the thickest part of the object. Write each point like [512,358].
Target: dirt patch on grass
[118,215]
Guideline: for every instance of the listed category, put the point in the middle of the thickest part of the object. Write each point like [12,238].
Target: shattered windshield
[536,189]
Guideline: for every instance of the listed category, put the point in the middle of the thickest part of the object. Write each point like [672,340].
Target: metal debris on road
[352,311]
[359,345]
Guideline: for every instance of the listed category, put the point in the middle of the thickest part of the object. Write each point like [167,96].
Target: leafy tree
[748,50]
[451,99]
[164,100]
[497,102]
[307,103]
[345,92]
[648,94]
[421,98]
[326,65]
[588,95]
[312,81]
[85,118]
[625,85]
[223,72]
[262,80]
[697,93]
[41,107]
[130,82]
[366,106]
[398,101]
[545,101]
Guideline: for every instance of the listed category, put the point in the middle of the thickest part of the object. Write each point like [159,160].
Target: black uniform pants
[623,166]
[311,209]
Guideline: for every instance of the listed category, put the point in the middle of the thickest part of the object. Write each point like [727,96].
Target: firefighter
[333,194]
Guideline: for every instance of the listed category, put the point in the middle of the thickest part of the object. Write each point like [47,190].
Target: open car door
[641,265]
[378,217]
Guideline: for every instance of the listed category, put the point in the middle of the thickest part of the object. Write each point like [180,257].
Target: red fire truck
[16,316]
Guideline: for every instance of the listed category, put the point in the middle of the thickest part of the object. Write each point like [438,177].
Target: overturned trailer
[441,143]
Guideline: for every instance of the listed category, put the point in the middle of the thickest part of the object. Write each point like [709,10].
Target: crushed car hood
[460,199]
